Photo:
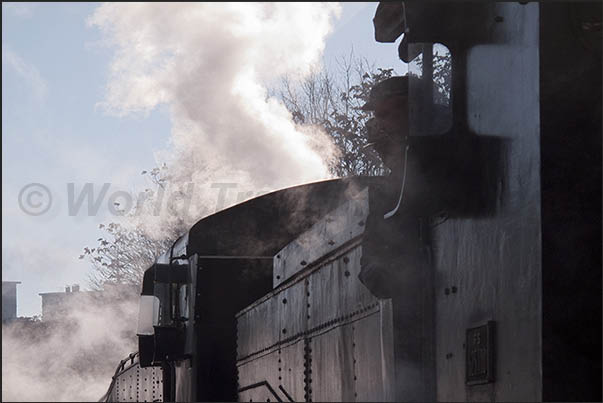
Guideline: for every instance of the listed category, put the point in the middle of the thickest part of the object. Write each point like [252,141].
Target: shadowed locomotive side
[468,273]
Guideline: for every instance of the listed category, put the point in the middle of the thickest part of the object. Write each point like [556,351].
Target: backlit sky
[55,70]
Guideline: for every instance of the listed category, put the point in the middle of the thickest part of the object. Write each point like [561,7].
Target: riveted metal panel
[354,294]
[291,373]
[136,384]
[277,374]
[323,297]
[332,366]
[284,311]
[128,387]
[315,315]
[254,333]
[368,349]
[331,232]
[115,391]
[258,378]
[335,292]
[151,384]
[292,310]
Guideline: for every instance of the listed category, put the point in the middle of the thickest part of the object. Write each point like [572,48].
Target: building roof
[67,293]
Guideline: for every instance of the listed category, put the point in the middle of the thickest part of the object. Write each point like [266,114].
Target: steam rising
[209,62]
[210,65]
[71,358]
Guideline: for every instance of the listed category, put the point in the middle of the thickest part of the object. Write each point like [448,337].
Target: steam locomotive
[477,279]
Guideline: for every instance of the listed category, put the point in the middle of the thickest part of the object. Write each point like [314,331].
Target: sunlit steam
[72,357]
[210,64]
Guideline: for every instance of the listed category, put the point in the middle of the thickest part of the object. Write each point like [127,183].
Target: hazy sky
[56,71]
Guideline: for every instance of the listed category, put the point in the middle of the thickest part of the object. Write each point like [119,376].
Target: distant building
[56,305]
[9,300]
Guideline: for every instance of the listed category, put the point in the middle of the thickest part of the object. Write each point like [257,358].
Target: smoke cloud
[72,356]
[210,64]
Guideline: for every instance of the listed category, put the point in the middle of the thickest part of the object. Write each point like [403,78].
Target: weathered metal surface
[251,337]
[338,227]
[136,384]
[292,311]
[258,379]
[373,372]
[323,296]
[331,340]
[349,362]
[264,225]
[291,370]
[183,381]
[480,348]
[232,246]
[333,366]
[279,374]
[321,336]
[491,265]
[335,292]
[412,317]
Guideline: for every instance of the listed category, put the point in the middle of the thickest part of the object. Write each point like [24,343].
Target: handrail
[121,367]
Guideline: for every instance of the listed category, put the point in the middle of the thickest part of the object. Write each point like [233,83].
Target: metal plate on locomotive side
[480,354]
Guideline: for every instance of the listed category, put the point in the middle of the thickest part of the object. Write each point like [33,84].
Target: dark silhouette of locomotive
[483,282]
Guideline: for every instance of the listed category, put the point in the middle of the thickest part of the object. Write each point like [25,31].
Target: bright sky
[55,70]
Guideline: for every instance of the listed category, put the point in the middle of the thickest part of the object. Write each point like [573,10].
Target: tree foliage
[329,100]
[442,74]
[332,100]
[123,253]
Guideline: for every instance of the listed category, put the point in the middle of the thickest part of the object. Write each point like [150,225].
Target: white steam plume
[73,356]
[208,62]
